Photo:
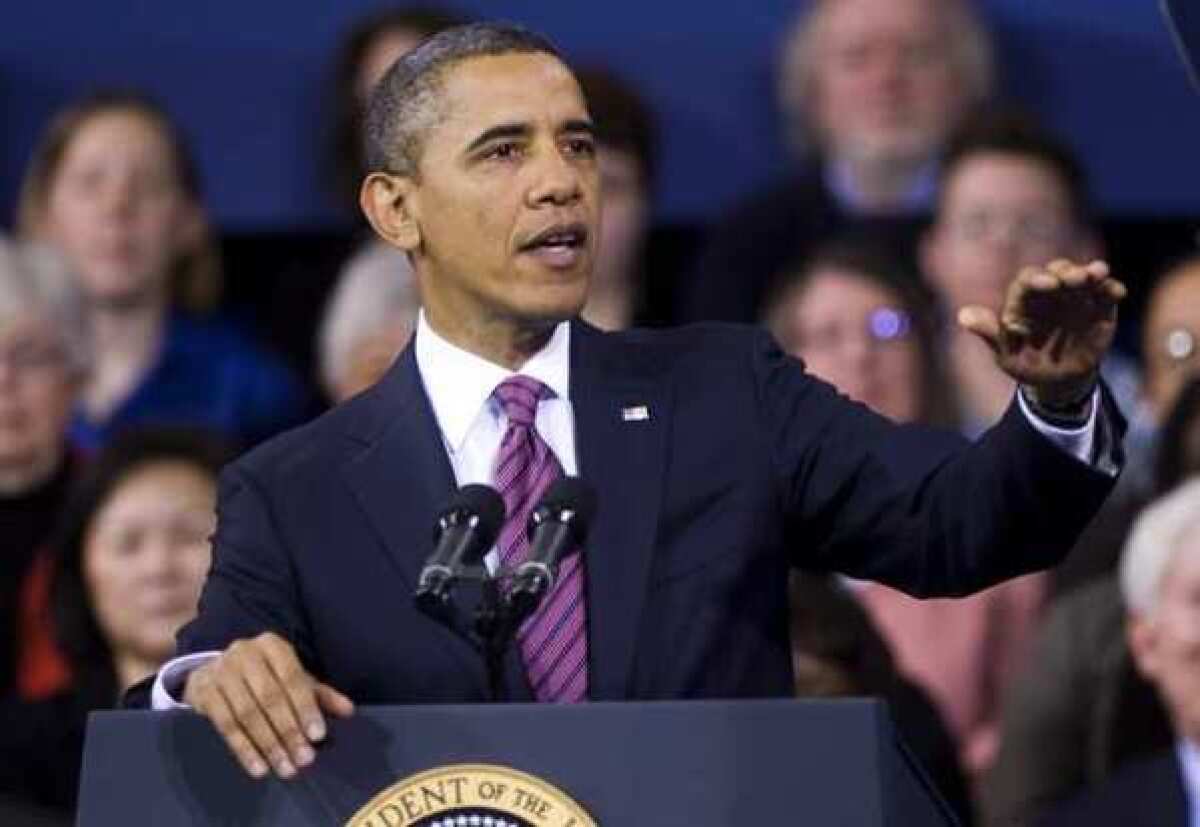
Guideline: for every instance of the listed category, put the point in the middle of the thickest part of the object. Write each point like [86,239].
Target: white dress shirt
[1189,763]
[472,423]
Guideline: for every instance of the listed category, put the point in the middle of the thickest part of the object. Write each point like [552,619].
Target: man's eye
[503,152]
[584,147]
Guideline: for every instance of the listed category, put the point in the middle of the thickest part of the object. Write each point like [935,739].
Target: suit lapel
[402,477]
[621,418]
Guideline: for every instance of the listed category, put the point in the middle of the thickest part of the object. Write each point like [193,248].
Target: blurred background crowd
[148,334]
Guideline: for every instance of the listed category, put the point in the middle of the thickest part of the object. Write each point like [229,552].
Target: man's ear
[389,202]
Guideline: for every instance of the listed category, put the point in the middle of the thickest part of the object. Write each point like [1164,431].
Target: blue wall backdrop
[249,82]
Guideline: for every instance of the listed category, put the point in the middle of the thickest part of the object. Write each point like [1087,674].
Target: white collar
[1189,761]
[459,383]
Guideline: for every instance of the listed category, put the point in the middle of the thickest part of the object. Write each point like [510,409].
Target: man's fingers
[1114,289]
[983,323]
[333,701]
[300,690]
[253,721]
[212,704]
[274,699]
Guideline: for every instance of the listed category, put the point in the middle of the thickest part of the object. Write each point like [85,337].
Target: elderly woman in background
[1080,710]
[43,362]
[130,562]
[1160,591]
[868,327]
[113,188]
[369,319]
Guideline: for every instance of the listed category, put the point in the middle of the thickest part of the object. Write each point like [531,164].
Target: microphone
[465,530]
[559,523]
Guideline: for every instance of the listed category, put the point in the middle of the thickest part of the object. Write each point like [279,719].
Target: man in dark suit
[1160,587]
[718,462]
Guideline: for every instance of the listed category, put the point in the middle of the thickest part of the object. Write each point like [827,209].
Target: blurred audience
[1170,356]
[130,561]
[1080,709]
[369,319]
[1160,587]
[44,357]
[111,186]
[870,92]
[1169,338]
[862,324]
[626,152]
[1011,196]
[837,652]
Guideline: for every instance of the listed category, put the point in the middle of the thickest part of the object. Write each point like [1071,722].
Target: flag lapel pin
[635,413]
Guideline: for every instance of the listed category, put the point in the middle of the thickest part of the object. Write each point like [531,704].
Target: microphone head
[479,501]
[568,494]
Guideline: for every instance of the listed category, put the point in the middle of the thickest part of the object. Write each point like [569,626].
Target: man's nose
[557,182]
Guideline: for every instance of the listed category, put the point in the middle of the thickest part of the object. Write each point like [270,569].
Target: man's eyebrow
[579,125]
[504,130]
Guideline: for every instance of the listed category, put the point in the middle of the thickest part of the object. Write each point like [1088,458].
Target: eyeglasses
[884,326]
[1029,228]
[1179,345]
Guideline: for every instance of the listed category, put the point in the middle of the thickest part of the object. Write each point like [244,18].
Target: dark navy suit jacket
[1148,792]
[746,467]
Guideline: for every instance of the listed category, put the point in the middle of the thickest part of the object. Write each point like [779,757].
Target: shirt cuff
[168,683]
[1078,442]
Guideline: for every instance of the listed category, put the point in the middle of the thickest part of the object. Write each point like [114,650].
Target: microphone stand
[496,622]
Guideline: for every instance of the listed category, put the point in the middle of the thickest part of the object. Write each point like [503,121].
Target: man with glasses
[1011,197]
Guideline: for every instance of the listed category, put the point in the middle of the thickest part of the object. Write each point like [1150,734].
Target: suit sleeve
[916,508]
[251,586]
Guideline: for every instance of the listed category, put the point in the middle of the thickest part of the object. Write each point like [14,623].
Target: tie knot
[519,396]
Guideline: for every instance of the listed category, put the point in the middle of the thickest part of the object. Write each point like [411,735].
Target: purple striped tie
[554,640]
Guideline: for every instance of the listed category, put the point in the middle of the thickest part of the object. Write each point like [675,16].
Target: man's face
[998,213]
[886,87]
[507,197]
[1171,344]
[1166,644]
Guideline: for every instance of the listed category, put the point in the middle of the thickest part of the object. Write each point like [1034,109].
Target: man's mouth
[560,240]
[559,247]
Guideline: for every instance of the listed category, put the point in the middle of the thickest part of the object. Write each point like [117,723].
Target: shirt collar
[1189,762]
[459,383]
[917,198]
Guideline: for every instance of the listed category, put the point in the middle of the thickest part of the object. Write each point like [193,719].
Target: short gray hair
[970,44]
[376,287]
[1159,533]
[405,103]
[35,283]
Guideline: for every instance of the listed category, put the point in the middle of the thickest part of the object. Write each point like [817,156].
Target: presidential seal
[471,795]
